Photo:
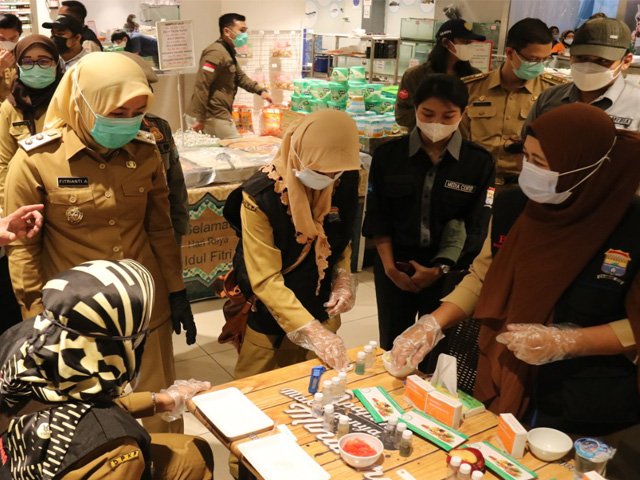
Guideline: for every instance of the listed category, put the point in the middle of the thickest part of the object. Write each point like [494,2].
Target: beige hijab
[107,81]
[327,142]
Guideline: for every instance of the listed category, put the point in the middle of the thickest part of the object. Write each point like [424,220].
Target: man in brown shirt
[219,77]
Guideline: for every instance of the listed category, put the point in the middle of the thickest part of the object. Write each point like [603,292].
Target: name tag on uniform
[73,182]
[24,123]
[460,187]
[481,104]
[623,121]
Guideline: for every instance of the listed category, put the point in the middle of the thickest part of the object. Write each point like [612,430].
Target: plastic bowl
[396,372]
[361,462]
[549,444]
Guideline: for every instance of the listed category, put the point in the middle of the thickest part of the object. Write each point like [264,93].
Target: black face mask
[61,44]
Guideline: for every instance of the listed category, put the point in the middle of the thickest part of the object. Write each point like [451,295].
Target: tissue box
[416,390]
[470,406]
[512,435]
[444,408]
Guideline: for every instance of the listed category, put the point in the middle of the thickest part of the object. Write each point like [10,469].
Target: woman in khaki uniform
[61,377]
[103,186]
[22,113]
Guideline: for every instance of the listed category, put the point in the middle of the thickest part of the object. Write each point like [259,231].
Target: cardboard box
[593,476]
[512,435]
[416,390]
[444,408]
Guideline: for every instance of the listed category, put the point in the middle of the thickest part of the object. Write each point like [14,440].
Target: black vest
[338,226]
[600,391]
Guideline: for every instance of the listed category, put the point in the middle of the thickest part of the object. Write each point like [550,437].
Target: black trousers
[397,309]
[9,307]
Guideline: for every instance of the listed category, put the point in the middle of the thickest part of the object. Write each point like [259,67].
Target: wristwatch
[444,269]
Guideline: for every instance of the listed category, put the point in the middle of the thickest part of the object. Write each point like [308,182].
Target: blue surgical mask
[241,39]
[528,70]
[37,77]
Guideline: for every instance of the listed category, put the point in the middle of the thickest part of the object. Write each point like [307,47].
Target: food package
[357,74]
[283,81]
[271,121]
[340,74]
[243,118]
[338,92]
[512,435]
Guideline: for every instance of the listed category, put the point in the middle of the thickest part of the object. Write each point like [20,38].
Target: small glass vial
[405,443]
[360,363]
[465,472]
[327,390]
[400,429]
[454,466]
[329,421]
[374,345]
[389,434]
[343,426]
[369,357]
[318,404]
[477,475]
[336,388]
[343,381]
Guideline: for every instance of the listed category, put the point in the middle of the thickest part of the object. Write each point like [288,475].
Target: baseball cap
[458,29]
[607,38]
[65,22]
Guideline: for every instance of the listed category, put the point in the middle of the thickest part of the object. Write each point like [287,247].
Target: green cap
[607,38]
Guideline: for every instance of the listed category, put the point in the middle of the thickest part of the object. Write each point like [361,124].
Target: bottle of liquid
[327,390]
[343,381]
[400,429]
[336,388]
[343,426]
[360,363]
[477,475]
[369,357]
[405,443]
[465,472]
[329,421]
[454,466]
[318,404]
[374,345]
[389,434]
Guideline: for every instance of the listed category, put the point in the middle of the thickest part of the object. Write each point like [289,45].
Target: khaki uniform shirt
[94,209]
[12,130]
[217,82]
[6,82]
[264,266]
[494,116]
[466,294]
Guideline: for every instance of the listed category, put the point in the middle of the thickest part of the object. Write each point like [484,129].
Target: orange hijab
[549,245]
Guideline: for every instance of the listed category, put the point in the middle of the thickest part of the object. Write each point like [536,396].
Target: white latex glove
[412,346]
[343,293]
[537,344]
[328,346]
[182,391]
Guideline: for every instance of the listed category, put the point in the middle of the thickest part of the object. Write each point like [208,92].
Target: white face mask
[540,185]
[568,41]
[463,52]
[314,180]
[436,131]
[590,76]
[6,45]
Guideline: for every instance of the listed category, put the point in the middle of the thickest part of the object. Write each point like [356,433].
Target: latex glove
[536,344]
[424,276]
[182,391]
[343,293]
[24,222]
[181,315]
[328,346]
[412,346]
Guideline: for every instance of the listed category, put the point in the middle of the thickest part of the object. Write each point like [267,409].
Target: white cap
[342,375]
[401,427]
[327,384]
[361,355]
[329,409]
[465,469]
[373,343]
[393,420]
[407,434]
[335,380]
[477,475]
[343,419]
[368,349]
[455,461]
[318,397]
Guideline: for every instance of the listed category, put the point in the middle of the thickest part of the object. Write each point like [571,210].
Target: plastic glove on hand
[181,315]
[182,391]
[343,293]
[412,346]
[537,344]
[328,346]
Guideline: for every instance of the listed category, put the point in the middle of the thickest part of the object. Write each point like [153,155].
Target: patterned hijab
[85,348]
[327,142]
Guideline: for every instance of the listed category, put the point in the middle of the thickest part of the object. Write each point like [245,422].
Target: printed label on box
[432,430]
[379,403]
[503,465]
[512,435]
[444,408]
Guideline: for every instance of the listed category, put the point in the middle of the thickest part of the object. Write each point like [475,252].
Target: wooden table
[427,461]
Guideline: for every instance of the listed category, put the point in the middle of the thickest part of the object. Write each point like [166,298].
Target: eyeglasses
[524,58]
[28,64]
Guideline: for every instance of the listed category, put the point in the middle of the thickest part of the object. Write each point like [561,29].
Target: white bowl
[549,444]
[361,462]
[396,372]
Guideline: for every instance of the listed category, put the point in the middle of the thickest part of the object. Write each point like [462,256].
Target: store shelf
[25,11]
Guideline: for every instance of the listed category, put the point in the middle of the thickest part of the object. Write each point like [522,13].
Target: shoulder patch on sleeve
[249,206]
[209,67]
[554,79]
[474,78]
[38,140]
[145,137]
[127,457]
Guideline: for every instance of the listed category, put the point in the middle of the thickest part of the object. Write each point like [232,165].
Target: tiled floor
[208,360]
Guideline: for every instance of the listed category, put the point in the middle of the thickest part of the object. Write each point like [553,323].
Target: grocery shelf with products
[24,10]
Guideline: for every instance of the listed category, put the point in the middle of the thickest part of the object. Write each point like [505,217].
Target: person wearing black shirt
[90,41]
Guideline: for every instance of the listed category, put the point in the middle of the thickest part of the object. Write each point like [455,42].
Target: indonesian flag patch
[209,67]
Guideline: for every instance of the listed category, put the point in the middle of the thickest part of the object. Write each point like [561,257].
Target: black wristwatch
[444,269]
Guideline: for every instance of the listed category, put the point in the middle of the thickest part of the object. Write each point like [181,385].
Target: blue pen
[314,379]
